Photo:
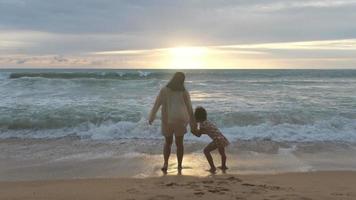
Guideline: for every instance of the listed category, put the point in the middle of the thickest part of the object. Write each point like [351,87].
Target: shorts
[177,129]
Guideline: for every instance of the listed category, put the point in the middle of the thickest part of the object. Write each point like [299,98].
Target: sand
[309,185]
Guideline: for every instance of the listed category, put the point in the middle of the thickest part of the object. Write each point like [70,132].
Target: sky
[178,34]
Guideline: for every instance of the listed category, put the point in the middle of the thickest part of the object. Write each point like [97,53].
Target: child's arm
[196,132]
[188,103]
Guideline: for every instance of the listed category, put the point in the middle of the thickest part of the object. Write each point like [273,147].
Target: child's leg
[223,157]
[211,147]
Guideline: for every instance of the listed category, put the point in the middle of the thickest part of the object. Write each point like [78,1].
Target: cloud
[210,19]
[304,54]
[346,44]
[128,28]
[331,45]
[283,5]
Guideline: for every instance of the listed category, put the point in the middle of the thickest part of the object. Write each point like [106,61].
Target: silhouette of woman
[176,112]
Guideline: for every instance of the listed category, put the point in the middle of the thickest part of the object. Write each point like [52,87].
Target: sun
[187,57]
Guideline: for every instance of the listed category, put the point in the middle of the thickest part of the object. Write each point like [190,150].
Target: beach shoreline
[301,185]
[23,160]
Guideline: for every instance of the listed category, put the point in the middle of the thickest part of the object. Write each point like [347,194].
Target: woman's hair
[177,82]
[200,114]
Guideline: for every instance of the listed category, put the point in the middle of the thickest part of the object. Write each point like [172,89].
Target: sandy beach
[309,185]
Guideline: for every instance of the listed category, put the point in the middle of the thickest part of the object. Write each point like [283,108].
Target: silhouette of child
[219,141]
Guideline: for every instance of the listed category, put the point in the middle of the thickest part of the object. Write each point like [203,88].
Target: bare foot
[179,169]
[212,170]
[164,168]
[223,168]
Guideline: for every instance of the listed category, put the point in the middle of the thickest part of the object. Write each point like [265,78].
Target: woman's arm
[155,108]
[188,103]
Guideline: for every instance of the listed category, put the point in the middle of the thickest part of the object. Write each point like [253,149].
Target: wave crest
[80,75]
[335,129]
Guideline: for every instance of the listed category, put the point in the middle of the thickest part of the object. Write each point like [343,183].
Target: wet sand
[77,169]
[310,185]
[67,158]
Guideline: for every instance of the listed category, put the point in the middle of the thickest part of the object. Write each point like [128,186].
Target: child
[219,141]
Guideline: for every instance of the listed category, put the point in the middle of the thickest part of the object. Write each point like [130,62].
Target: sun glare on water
[188,57]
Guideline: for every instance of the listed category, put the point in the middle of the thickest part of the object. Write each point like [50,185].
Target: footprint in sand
[231,178]
[305,198]
[248,184]
[213,190]
[222,183]
[224,189]
[302,198]
[161,197]
[192,185]
[289,196]
[219,190]
[171,184]
[199,193]
[265,187]
[339,194]
[132,190]
[207,182]
[270,187]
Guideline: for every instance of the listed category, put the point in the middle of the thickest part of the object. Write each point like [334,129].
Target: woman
[177,112]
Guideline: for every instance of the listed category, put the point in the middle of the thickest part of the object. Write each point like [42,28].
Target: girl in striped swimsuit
[219,141]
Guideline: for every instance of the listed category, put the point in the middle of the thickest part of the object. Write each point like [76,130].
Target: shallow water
[39,159]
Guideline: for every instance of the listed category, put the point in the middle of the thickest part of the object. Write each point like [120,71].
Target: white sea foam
[143,73]
[320,131]
[323,130]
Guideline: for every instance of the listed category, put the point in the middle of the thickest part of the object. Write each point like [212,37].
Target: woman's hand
[150,121]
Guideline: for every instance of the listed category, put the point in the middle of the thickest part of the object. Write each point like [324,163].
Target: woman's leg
[180,150]
[223,158]
[167,151]
[211,147]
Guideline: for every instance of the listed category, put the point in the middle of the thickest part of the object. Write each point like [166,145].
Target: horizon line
[148,68]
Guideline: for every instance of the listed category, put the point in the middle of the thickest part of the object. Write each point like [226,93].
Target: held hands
[194,129]
[196,132]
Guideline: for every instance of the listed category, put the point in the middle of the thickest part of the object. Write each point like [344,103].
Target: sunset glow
[188,57]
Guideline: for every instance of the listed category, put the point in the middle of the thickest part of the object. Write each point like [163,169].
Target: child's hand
[196,133]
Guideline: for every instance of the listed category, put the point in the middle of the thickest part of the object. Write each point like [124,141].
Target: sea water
[283,108]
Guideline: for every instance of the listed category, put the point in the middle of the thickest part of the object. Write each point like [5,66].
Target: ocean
[107,109]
